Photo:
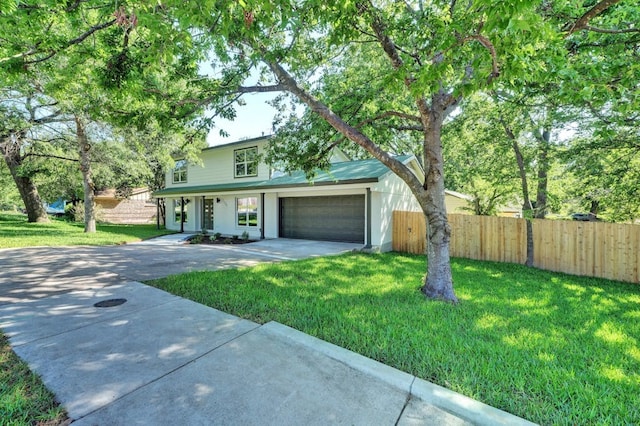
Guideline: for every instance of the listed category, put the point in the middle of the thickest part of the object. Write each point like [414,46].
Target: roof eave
[202,189]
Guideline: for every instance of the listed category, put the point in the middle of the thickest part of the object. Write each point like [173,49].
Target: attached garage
[328,218]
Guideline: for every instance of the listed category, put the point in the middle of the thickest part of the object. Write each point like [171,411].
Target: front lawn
[552,348]
[15,231]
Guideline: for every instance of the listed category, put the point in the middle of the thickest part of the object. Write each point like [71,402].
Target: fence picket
[605,250]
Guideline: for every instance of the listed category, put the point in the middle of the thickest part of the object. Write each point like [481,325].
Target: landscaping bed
[218,240]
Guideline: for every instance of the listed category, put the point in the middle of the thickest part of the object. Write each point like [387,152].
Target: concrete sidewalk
[159,359]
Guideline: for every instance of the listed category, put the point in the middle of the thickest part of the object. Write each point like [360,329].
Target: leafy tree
[23,116]
[98,70]
[479,157]
[434,54]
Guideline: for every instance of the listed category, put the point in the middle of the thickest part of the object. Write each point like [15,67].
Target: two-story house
[231,192]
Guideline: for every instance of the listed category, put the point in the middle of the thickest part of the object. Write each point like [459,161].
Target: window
[247,211]
[180,172]
[246,162]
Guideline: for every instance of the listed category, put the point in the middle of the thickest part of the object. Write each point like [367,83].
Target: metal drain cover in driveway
[109,303]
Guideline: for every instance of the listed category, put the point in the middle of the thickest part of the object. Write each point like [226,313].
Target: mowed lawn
[15,231]
[552,348]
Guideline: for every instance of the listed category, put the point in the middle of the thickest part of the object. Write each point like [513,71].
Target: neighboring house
[458,202]
[138,208]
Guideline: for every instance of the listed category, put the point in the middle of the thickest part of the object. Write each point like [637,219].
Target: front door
[207,217]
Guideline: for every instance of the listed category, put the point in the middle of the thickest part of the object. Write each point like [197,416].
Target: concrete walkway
[162,360]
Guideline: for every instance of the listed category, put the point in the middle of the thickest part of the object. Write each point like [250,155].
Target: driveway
[31,273]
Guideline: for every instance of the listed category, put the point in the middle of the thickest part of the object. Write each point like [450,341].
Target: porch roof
[347,172]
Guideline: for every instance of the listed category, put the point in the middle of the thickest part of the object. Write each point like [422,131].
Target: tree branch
[596,10]
[611,31]
[57,157]
[54,52]
[261,89]
[344,128]
[495,70]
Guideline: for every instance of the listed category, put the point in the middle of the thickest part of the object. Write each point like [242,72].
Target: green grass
[15,231]
[552,348]
[24,400]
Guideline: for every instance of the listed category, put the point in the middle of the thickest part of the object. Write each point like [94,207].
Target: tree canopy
[376,78]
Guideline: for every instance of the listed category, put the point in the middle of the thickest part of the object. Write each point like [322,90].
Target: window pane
[240,156]
[240,171]
[251,154]
[180,172]
[253,219]
[252,168]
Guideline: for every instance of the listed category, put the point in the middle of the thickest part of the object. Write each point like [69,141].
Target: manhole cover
[109,303]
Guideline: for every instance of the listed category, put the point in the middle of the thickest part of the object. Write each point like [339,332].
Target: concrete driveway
[159,359]
[29,273]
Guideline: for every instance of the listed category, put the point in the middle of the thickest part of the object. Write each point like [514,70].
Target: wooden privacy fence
[605,250]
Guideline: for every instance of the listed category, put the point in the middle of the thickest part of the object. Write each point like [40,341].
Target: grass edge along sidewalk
[548,347]
[24,399]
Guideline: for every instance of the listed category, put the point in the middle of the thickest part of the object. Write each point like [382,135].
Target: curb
[455,403]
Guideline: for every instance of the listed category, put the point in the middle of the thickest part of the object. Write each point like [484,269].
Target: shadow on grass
[549,347]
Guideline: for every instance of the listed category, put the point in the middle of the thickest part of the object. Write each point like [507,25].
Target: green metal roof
[361,171]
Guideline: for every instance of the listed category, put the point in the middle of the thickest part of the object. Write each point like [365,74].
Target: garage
[329,218]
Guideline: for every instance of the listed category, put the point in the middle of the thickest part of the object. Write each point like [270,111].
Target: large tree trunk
[84,149]
[438,283]
[10,148]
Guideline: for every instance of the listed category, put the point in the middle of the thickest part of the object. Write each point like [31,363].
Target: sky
[253,120]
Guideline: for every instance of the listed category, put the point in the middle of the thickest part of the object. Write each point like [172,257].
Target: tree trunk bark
[438,283]
[543,171]
[527,208]
[10,148]
[84,149]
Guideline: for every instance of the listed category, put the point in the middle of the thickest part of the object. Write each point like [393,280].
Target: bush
[196,239]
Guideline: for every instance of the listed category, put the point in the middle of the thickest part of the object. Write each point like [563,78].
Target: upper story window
[246,162]
[180,172]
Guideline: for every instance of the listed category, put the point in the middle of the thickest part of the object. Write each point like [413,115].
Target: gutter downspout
[262,215]
[368,231]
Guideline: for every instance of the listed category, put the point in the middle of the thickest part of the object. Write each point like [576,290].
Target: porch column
[181,214]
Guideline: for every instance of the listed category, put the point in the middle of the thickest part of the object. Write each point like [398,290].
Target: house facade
[231,192]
